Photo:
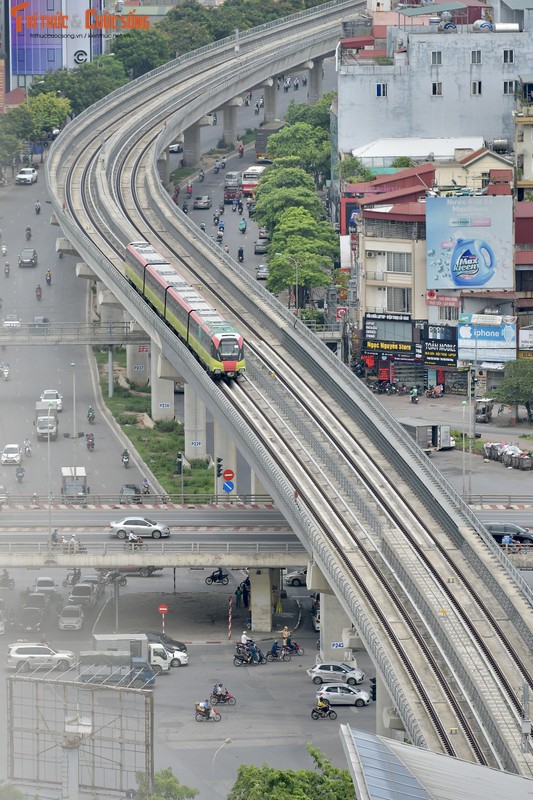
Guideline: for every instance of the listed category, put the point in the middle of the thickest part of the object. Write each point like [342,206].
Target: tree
[83,85]
[140,51]
[324,783]
[299,222]
[517,385]
[352,171]
[270,207]
[48,111]
[317,115]
[9,792]
[402,162]
[166,787]
[310,144]
[284,178]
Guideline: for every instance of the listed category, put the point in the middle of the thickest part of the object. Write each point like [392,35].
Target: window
[381,90]
[436,58]
[399,262]
[508,56]
[509,87]
[448,314]
[475,57]
[475,88]
[436,89]
[399,300]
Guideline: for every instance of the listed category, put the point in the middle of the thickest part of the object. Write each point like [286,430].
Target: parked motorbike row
[391,387]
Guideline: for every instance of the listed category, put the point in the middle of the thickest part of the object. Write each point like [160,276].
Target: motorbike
[6,269]
[39,293]
[220,237]
[28,234]
[125,460]
[201,713]
[240,255]
[242,226]
[226,698]
[414,399]
[223,163]
[246,659]
[216,169]
[90,442]
[216,219]
[146,489]
[282,654]
[240,208]
[91,417]
[6,372]
[48,278]
[323,713]
[59,541]
[202,226]
[201,176]
[433,392]
[27,450]
[294,647]
[139,544]
[114,575]
[20,474]
[72,578]
[215,578]
[37,208]
[4,249]
[6,582]
[241,152]
[185,208]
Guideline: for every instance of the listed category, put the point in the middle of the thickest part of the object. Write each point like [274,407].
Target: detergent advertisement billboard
[469,242]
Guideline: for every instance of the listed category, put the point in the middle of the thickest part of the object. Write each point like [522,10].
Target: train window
[229,348]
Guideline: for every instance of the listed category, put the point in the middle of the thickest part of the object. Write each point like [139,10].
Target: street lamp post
[224,744]
[48,422]
[464,449]
[74,431]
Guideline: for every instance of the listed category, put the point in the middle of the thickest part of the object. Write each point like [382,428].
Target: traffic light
[220,468]
[373,689]
[179,463]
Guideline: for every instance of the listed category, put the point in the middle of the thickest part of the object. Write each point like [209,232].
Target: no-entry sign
[228,474]
[162,608]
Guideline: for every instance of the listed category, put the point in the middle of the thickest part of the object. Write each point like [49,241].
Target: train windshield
[229,349]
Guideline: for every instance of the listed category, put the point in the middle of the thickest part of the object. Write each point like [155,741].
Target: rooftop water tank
[447,27]
[500,145]
[482,26]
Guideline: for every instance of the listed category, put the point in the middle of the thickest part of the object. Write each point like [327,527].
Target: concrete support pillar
[138,363]
[108,308]
[261,581]
[230,125]
[226,450]
[316,75]
[270,96]
[192,151]
[333,623]
[256,486]
[194,431]
[388,721]
[162,389]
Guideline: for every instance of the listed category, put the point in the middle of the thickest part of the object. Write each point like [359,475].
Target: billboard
[482,339]
[469,242]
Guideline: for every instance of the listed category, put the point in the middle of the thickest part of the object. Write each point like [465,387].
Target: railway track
[413,573]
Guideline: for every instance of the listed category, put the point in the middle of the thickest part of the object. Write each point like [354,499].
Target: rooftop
[438,149]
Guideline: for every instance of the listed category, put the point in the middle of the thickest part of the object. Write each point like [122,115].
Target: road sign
[162,608]
[228,486]
[228,474]
[341,312]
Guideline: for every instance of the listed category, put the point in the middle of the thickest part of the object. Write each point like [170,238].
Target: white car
[140,526]
[316,621]
[11,454]
[26,175]
[336,672]
[11,321]
[24,656]
[53,398]
[338,694]
[70,618]
[297,577]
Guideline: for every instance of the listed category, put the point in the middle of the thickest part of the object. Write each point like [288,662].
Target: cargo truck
[137,645]
[262,136]
[45,421]
[74,486]
[115,668]
[428,435]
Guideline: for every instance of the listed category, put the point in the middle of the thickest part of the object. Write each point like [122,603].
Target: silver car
[141,526]
[338,694]
[11,454]
[336,672]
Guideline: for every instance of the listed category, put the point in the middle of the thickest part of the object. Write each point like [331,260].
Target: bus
[250,178]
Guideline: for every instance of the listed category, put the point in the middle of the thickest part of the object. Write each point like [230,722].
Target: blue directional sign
[228,486]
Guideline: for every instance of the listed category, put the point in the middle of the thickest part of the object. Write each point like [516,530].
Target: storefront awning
[490,365]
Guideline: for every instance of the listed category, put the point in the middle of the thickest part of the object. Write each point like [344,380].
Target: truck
[137,646]
[46,422]
[115,668]
[74,486]
[429,436]
[262,136]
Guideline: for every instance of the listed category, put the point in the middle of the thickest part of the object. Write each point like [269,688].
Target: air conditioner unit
[370,253]
[380,253]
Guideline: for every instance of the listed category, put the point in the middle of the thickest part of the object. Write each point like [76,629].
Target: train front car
[228,352]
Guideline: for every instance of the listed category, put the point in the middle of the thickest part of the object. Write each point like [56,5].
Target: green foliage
[402,162]
[140,51]
[9,792]
[277,177]
[517,385]
[352,171]
[48,111]
[324,783]
[272,204]
[167,426]
[166,787]
[317,115]
[309,144]
[83,85]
